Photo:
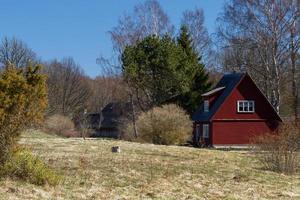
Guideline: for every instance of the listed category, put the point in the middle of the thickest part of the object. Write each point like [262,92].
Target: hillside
[144,171]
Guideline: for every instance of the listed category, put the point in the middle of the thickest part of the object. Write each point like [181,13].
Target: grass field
[145,171]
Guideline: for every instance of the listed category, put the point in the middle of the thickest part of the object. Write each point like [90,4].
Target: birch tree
[147,18]
[259,31]
[294,61]
[194,21]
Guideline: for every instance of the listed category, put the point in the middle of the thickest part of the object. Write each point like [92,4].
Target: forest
[258,37]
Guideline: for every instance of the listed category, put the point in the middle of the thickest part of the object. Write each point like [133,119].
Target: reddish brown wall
[246,90]
[237,132]
[231,127]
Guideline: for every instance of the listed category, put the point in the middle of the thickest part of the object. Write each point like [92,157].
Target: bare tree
[257,36]
[194,20]
[84,124]
[122,90]
[295,66]
[68,88]
[147,18]
[106,89]
[16,52]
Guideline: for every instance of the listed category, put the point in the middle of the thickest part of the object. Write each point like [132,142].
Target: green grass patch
[23,165]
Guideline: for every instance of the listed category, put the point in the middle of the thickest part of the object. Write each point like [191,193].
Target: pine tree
[153,68]
[199,79]
[164,70]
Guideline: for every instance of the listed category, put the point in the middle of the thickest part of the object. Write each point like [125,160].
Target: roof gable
[231,82]
[250,91]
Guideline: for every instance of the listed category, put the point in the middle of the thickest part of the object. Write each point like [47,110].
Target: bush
[60,125]
[280,153]
[166,125]
[24,166]
[23,99]
[71,133]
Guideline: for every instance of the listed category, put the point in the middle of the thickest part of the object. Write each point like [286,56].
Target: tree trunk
[276,78]
[135,131]
[294,75]
[100,119]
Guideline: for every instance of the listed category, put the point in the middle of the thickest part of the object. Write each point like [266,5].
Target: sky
[79,28]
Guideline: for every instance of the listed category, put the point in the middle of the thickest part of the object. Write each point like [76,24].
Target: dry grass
[143,171]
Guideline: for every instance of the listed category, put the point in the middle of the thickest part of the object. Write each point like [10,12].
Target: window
[205,130]
[206,106]
[245,106]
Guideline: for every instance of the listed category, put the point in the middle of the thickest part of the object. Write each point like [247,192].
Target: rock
[116,149]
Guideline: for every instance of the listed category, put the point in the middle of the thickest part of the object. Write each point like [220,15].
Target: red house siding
[246,90]
[231,127]
[227,133]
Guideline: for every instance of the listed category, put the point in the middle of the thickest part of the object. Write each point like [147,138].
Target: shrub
[71,133]
[126,130]
[166,125]
[23,165]
[60,125]
[280,153]
[23,99]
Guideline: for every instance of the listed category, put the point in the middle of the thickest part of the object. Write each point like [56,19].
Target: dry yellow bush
[165,125]
[280,152]
[59,124]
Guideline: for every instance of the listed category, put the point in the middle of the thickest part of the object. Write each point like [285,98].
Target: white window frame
[246,106]
[206,106]
[205,130]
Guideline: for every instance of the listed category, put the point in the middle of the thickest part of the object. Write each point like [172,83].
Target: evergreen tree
[163,70]
[153,68]
[199,79]
[23,100]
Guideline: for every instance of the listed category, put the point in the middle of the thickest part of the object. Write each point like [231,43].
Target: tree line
[155,62]
[260,37]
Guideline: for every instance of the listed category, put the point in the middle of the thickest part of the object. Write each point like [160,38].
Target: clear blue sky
[78,28]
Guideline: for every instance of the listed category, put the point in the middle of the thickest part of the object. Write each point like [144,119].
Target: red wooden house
[233,112]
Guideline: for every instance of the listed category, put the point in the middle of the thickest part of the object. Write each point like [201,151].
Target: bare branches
[259,35]
[147,19]
[194,20]
[104,90]
[67,87]
[15,52]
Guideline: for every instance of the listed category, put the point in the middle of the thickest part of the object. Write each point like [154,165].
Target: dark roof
[111,115]
[229,81]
